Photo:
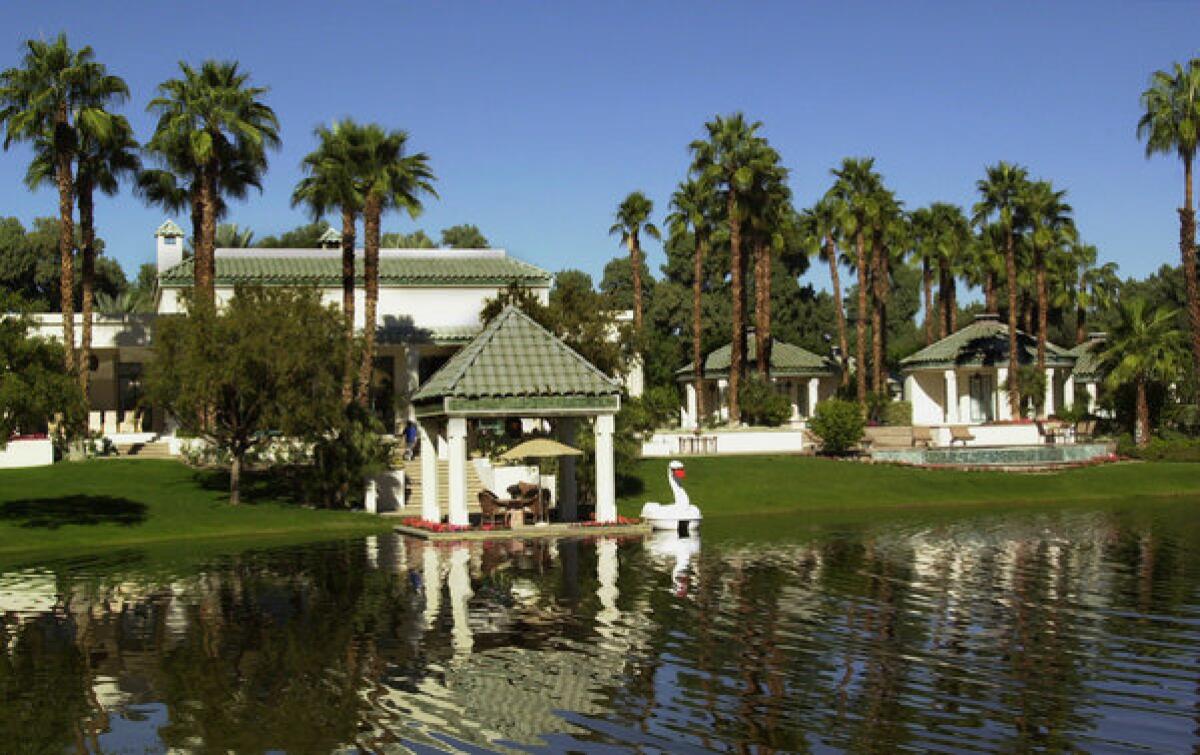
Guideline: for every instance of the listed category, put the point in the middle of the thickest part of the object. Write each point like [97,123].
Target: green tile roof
[514,358]
[787,360]
[1087,360]
[168,228]
[983,343]
[451,270]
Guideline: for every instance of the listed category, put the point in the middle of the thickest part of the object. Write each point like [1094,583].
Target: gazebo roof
[983,343]
[787,360]
[1087,359]
[515,365]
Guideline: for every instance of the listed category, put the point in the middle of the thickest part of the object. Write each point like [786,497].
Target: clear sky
[540,116]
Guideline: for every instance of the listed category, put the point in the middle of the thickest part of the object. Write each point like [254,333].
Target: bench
[960,433]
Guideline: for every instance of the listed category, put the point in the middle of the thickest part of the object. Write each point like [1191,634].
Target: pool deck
[537,530]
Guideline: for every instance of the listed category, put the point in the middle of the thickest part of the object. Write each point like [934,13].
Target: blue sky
[539,116]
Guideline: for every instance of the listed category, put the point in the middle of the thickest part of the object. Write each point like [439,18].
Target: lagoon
[1043,626]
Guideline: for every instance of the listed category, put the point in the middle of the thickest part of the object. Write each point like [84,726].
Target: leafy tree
[1170,123]
[270,362]
[213,127]
[418,239]
[307,236]
[35,387]
[53,99]
[1145,346]
[1000,197]
[231,236]
[387,178]
[464,236]
[29,265]
[632,219]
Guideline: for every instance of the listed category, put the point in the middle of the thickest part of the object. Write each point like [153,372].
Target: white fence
[27,453]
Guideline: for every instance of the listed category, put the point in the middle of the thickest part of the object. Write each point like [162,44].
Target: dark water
[1066,629]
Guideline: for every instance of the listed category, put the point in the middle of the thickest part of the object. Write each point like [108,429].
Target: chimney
[169,245]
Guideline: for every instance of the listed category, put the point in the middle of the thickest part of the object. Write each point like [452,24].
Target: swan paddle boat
[681,515]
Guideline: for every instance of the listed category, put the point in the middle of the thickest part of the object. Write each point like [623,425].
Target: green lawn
[114,503]
[727,486]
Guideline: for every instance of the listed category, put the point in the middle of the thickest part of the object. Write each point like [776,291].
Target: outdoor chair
[1051,431]
[961,434]
[1085,429]
[922,436]
[530,497]
[490,506]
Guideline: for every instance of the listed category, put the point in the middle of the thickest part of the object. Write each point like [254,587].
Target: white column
[814,393]
[723,400]
[1003,410]
[459,582]
[456,438]
[568,500]
[1090,388]
[430,511]
[371,498]
[951,397]
[412,364]
[1069,393]
[606,477]
[1048,407]
[693,412]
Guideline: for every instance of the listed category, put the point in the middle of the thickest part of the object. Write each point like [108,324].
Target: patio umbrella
[539,448]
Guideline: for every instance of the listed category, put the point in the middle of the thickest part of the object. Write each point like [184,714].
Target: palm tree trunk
[204,263]
[762,307]
[371,217]
[697,328]
[87,229]
[737,354]
[66,252]
[1043,303]
[860,327]
[953,302]
[989,293]
[927,280]
[945,295]
[878,280]
[1010,268]
[348,220]
[838,305]
[635,261]
[1141,430]
[1187,249]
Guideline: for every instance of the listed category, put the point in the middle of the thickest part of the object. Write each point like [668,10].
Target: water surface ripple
[1046,629]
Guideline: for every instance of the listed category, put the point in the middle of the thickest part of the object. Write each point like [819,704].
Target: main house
[429,306]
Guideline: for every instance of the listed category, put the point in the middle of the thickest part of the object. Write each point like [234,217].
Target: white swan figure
[681,515]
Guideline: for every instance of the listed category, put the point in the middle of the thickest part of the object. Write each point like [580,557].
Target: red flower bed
[421,524]
[30,436]
[619,520]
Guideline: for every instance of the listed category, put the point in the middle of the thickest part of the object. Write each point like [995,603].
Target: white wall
[926,391]
[662,445]
[27,453]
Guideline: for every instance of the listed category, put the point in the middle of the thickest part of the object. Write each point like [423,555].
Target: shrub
[762,404]
[657,407]
[1032,387]
[345,457]
[839,424]
[877,403]
[898,414]
[1173,448]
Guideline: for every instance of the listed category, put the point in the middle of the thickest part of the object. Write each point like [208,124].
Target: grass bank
[753,485]
[116,503]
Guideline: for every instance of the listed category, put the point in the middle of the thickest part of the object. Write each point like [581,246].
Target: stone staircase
[412,476]
[153,450]
[888,437]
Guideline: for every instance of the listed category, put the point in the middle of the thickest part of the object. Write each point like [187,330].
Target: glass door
[983,392]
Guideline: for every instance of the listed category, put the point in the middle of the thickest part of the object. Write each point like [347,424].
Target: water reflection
[1028,630]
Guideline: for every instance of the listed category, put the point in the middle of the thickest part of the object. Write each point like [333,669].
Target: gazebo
[515,368]
[804,377]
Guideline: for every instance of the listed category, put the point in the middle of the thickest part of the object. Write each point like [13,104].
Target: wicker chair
[490,506]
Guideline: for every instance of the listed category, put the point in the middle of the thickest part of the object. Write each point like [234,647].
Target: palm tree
[230,236]
[129,302]
[1050,225]
[1000,193]
[769,216]
[387,178]
[855,186]
[690,212]
[211,122]
[633,218]
[1144,347]
[729,161]
[55,92]
[1090,287]
[925,250]
[952,234]
[1170,123]
[331,183]
[824,223]
[892,240]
